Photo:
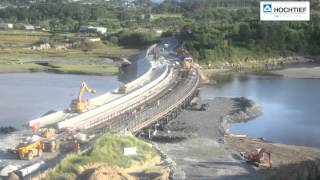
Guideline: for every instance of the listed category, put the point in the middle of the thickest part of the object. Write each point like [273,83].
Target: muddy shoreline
[308,70]
[292,67]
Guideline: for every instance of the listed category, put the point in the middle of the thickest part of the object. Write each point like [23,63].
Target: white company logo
[284,10]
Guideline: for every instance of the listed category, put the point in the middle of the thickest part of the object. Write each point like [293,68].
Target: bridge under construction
[154,96]
[153,99]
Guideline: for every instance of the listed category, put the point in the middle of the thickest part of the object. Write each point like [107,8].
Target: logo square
[267,8]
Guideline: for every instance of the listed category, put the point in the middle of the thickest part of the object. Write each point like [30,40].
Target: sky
[157,1]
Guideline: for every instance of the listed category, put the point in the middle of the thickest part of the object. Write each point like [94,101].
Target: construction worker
[75,146]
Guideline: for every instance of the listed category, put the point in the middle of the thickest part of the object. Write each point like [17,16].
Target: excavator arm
[84,88]
[78,105]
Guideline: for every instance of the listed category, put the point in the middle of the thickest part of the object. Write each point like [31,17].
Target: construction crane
[78,105]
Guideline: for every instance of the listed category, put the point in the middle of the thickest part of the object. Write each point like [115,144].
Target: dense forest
[213,30]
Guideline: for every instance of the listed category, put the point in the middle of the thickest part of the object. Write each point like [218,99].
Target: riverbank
[310,70]
[101,60]
[199,143]
[85,69]
[299,67]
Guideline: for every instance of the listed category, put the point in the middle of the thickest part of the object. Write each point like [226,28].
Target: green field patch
[96,69]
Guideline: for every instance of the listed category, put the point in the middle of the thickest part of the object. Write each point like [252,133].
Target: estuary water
[27,96]
[291,106]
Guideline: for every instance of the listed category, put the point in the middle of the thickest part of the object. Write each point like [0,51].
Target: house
[159,31]
[93,39]
[29,27]
[93,29]
[44,46]
[6,26]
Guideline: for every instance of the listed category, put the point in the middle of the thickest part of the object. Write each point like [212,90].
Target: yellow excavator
[79,105]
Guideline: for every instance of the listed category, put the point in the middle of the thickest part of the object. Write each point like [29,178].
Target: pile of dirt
[105,172]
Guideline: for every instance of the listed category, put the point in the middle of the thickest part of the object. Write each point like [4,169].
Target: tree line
[211,29]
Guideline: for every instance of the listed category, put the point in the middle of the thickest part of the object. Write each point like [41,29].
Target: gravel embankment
[198,145]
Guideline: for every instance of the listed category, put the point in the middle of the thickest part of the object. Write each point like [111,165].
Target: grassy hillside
[108,150]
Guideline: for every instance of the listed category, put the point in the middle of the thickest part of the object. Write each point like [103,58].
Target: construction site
[164,107]
[161,91]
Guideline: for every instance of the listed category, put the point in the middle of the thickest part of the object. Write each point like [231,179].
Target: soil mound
[105,172]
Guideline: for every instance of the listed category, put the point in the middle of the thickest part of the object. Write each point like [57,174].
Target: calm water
[291,107]
[27,96]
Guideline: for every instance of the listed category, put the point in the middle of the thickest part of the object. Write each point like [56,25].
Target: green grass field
[87,69]
[24,55]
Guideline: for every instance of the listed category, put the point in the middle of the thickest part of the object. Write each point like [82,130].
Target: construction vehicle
[123,90]
[199,107]
[29,150]
[47,132]
[258,158]
[196,105]
[79,105]
[36,145]
[185,64]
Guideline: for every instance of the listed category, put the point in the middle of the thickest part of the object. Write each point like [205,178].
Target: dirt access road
[202,152]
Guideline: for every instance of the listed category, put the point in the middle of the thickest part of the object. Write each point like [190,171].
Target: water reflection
[290,107]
